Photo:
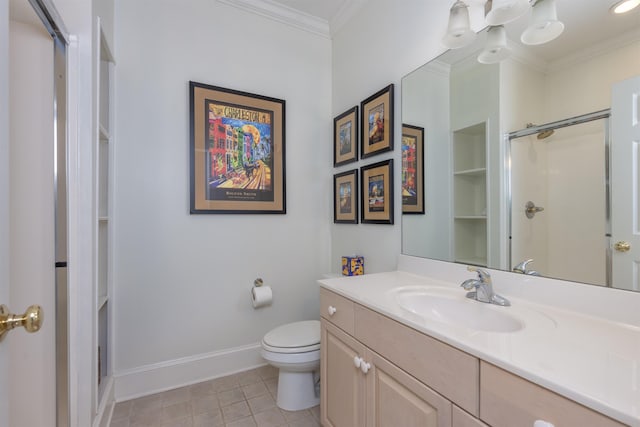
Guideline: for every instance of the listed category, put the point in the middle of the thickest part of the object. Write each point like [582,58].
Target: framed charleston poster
[237,151]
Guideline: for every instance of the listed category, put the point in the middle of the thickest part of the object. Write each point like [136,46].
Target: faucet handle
[522,267]
[484,276]
[470,284]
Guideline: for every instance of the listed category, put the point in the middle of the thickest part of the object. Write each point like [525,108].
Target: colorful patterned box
[352,265]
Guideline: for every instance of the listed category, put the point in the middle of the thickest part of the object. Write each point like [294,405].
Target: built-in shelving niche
[470,194]
[104,173]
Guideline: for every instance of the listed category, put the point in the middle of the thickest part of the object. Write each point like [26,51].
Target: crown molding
[596,50]
[283,14]
[437,67]
[348,10]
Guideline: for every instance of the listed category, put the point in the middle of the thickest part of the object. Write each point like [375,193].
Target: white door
[4,201]
[625,183]
[27,361]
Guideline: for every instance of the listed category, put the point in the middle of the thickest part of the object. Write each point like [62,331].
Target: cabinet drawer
[451,372]
[511,401]
[337,309]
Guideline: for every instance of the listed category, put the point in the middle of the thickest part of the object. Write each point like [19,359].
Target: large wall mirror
[535,155]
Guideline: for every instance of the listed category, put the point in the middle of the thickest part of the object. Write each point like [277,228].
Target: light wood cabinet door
[463,419]
[395,398]
[342,383]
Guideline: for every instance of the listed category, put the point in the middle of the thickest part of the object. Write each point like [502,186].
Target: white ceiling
[587,22]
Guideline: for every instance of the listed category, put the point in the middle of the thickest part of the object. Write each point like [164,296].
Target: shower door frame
[585,118]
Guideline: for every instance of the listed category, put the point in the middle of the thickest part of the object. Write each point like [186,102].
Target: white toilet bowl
[294,349]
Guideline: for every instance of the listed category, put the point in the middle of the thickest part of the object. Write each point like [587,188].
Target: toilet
[294,349]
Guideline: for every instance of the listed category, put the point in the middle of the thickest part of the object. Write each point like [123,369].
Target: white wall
[181,281]
[379,46]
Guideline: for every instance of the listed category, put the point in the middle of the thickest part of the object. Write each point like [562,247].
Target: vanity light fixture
[624,6]
[495,49]
[544,25]
[503,11]
[459,31]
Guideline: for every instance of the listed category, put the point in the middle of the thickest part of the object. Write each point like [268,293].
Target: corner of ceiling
[283,14]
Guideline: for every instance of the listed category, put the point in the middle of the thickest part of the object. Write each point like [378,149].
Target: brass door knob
[622,246]
[31,319]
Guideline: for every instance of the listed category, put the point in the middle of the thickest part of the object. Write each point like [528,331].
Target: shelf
[102,300]
[104,134]
[470,194]
[473,217]
[471,172]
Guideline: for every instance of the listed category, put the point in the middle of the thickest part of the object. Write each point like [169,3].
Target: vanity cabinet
[462,419]
[376,371]
[511,401]
[362,388]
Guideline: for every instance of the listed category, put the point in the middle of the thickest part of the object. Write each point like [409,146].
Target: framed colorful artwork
[376,204]
[376,123]
[345,137]
[412,169]
[345,197]
[237,151]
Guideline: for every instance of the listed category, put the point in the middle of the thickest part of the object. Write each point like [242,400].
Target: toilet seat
[297,337]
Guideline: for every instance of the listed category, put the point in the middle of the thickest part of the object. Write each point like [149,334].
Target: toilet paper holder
[258,282]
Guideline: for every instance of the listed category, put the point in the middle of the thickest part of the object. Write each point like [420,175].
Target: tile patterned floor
[246,399]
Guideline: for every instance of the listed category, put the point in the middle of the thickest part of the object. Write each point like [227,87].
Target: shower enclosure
[560,199]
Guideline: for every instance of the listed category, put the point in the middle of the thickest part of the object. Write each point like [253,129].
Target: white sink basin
[452,307]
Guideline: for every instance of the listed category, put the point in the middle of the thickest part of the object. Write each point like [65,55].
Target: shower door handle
[530,209]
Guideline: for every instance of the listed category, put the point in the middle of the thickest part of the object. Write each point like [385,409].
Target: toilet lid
[294,335]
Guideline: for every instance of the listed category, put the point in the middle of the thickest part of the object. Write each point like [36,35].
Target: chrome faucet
[522,268]
[483,288]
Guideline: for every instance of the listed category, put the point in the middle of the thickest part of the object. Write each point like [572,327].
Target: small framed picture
[376,123]
[345,197]
[345,137]
[377,193]
[412,169]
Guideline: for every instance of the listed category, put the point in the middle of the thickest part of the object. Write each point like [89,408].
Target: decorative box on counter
[352,265]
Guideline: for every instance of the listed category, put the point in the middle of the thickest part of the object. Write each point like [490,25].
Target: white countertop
[589,359]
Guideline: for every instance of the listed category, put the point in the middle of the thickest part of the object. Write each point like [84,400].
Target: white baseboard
[105,406]
[185,371]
